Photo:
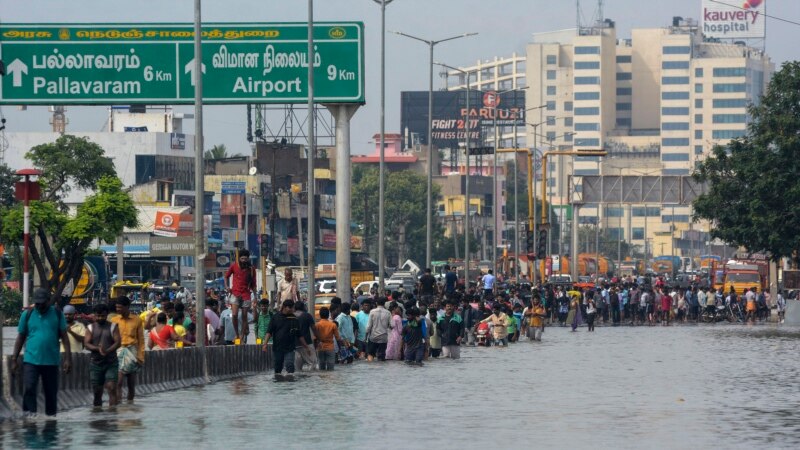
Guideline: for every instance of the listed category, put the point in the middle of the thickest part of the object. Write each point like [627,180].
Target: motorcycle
[483,335]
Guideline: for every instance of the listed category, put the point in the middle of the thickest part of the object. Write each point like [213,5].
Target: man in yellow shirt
[536,315]
[131,352]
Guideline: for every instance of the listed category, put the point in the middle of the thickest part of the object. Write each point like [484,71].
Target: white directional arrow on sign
[189,68]
[17,68]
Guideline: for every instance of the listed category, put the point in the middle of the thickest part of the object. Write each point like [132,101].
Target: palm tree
[217,152]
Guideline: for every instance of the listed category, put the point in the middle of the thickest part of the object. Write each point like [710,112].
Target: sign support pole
[199,188]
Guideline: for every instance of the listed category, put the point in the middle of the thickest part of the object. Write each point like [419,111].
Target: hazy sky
[505,26]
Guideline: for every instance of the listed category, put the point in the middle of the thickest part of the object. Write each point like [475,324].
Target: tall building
[657,102]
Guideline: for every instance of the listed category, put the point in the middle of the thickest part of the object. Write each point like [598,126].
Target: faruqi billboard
[734,19]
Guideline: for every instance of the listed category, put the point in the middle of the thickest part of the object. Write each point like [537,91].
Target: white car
[326,286]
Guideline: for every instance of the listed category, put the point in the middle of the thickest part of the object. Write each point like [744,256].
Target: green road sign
[154,63]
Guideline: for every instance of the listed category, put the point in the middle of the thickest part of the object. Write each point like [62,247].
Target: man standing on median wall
[241,288]
[40,329]
[131,352]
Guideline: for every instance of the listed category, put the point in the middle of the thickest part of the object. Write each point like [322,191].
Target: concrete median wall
[163,370]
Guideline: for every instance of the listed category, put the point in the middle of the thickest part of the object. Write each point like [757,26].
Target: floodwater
[724,386]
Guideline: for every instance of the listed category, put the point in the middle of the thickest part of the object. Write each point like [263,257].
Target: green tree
[218,151]
[69,162]
[8,177]
[753,196]
[61,240]
[404,218]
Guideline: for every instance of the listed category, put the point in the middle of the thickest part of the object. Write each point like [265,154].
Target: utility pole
[310,189]
[199,189]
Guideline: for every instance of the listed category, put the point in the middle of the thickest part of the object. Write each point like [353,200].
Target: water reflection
[672,387]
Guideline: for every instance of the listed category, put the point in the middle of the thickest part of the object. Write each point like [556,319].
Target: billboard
[734,19]
[449,112]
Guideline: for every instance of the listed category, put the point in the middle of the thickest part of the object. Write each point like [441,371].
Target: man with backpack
[40,329]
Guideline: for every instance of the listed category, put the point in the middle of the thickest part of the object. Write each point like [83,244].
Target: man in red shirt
[242,285]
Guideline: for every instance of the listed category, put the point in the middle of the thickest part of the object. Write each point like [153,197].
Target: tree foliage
[218,151]
[69,162]
[7,179]
[754,191]
[405,203]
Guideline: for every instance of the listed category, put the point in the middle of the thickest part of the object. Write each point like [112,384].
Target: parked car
[326,286]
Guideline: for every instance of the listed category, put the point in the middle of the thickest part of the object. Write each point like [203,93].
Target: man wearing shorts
[103,339]
[242,276]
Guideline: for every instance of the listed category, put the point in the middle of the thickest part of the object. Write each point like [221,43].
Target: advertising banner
[734,19]
[167,224]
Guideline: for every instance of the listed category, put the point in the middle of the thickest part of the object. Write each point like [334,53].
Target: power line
[763,14]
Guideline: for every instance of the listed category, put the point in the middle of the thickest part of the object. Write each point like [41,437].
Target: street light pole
[311,214]
[429,213]
[466,179]
[382,164]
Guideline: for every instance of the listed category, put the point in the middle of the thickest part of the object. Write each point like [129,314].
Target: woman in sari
[395,333]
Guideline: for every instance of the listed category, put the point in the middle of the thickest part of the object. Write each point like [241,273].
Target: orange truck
[742,275]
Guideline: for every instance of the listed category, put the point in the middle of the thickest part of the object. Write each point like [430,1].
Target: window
[591,111]
[674,111]
[650,211]
[568,137]
[675,142]
[567,106]
[551,121]
[624,76]
[676,218]
[624,91]
[551,90]
[675,126]
[698,149]
[585,172]
[698,119]
[614,211]
[677,50]
[551,59]
[637,234]
[729,118]
[587,96]
[623,121]
[587,142]
[623,106]
[698,88]
[587,127]
[551,74]
[587,80]
[551,106]
[568,121]
[587,65]
[728,134]
[616,234]
[674,80]
[730,87]
[667,65]
[698,103]
[698,134]
[671,157]
[674,96]
[551,135]
[521,66]
[729,72]
[698,72]
[622,59]
[587,50]
[730,103]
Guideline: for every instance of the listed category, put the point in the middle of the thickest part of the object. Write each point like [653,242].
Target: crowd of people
[434,321]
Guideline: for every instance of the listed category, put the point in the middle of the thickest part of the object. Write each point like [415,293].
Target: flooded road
[672,387]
